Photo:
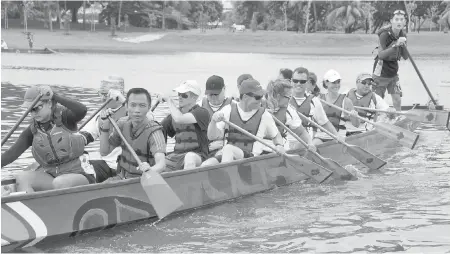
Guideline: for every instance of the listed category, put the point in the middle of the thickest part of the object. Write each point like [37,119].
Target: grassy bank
[425,44]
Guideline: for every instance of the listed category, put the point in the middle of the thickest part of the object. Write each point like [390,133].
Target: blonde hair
[274,88]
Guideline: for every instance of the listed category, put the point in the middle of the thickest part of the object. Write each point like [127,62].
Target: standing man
[188,123]
[363,96]
[214,101]
[392,41]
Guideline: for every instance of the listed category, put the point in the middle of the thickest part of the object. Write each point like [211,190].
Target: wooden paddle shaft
[154,106]
[420,75]
[130,149]
[295,135]
[348,112]
[95,113]
[382,111]
[262,141]
[11,131]
[320,127]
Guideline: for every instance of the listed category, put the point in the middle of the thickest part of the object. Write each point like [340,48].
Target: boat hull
[31,218]
[34,51]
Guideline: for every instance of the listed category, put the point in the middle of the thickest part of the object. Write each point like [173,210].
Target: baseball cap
[112,82]
[251,86]
[188,86]
[30,95]
[242,78]
[214,84]
[331,76]
[364,76]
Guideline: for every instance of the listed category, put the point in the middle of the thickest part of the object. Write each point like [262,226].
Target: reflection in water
[405,207]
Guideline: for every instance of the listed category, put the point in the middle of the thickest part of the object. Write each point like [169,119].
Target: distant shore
[425,44]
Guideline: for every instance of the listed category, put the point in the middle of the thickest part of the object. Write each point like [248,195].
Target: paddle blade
[308,168]
[368,159]
[339,173]
[161,196]
[437,117]
[405,137]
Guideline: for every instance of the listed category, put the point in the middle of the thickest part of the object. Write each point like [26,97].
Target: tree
[308,8]
[349,14]
[73,6]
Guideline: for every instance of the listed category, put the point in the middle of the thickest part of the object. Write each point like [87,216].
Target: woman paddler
[54,143]
[332,82]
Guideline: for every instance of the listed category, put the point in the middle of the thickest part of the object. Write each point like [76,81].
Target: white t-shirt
[381,104]
[267,128]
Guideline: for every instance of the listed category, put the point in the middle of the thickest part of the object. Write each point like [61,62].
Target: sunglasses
[367,82]
[301,81]
[335,82]
[257,97]
[183,95]
[37,108]
[399,12]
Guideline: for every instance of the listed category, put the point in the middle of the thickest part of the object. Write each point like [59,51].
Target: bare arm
[348,105]
[178,117]
[24,141]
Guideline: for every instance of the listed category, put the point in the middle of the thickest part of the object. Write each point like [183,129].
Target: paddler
[247,114]
[312,87]
[392,41]
[111,87]
[188,123]
[55,145]
[308,105]
[363,96]
[214,101]
[279,93]
[143,134]
[332,83]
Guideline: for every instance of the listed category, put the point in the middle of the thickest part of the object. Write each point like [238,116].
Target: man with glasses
[188,123]
[106,166]
[214,101]
[249,115]
[392,41]
[310,106]
[363,96]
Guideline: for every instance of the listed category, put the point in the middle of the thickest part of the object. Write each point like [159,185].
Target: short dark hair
[300,70]
[287,73]
[140,91]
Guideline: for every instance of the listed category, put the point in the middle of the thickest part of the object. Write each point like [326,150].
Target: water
[404,208]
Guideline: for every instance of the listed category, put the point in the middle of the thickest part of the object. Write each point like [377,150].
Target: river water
[404,208]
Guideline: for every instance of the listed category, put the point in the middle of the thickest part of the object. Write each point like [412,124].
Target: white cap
[188,86]
[331,76]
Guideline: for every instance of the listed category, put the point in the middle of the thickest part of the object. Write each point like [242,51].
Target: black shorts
[102,170]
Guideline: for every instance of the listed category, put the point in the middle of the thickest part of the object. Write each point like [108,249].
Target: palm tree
[349,13]
[307,16]
[445,20]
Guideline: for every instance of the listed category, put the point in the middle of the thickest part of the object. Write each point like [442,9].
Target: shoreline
[429,45]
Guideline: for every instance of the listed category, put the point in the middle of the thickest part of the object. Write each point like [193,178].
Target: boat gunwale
[166,175]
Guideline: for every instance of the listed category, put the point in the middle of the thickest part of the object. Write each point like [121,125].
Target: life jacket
[304,108]
[139,143]
[57,150]
[238,139]
[391,38]
[281,115]
[363,102]
[205,104]
[335,115]
[186,139]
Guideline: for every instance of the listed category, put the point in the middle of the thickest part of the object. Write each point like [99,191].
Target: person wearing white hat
[332,82]
[188,124]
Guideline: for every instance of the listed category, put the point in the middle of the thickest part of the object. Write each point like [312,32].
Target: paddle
[420,75]
[162,197]
[95,113]
[368,159]
[438,117]
[10,132]
[317,158]
[301,164]
[403,136]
